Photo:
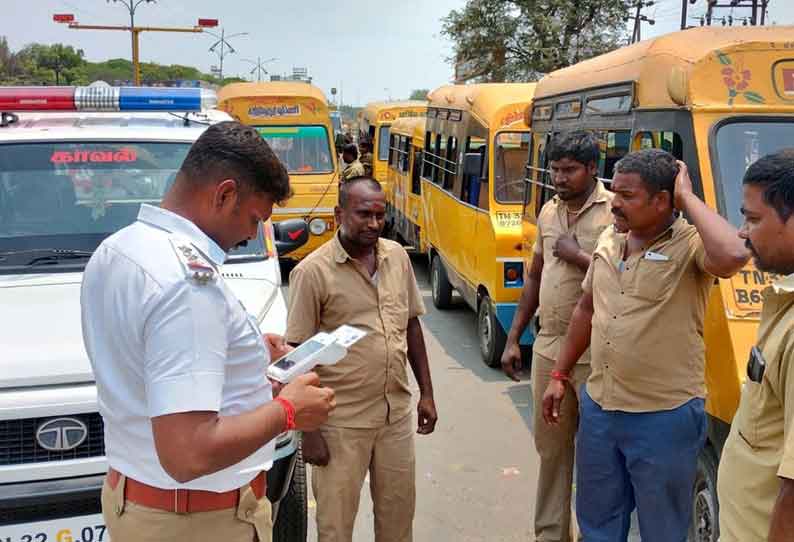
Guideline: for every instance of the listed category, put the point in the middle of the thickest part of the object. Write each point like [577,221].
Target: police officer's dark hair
[657,169]
[580,146]
[774,173]
[350,149]
[344,189]
[365,144]
[231,150]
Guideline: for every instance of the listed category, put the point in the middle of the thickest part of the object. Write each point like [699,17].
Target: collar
[784,285]
[173,223]
[341,255]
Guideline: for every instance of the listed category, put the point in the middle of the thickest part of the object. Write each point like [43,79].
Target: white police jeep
[75,166]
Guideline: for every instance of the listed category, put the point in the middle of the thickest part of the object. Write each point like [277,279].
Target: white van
[70,177]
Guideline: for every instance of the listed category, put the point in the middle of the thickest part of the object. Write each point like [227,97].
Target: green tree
[58,58]
[520,40]
[419,94]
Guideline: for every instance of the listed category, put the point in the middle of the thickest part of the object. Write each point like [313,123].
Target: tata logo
[61,434]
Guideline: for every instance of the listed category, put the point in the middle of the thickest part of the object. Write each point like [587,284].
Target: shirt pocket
[654,279]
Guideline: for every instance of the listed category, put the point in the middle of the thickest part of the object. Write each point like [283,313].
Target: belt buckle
[181,503]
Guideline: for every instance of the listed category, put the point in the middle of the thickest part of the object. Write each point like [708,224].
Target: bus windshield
[510,158]
[739,144]
[302,149]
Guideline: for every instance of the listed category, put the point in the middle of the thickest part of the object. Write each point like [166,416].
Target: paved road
[476,474]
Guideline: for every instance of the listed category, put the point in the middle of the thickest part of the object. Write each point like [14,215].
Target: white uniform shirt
[162,342]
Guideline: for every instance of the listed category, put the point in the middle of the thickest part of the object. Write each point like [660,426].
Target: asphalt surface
[476,475]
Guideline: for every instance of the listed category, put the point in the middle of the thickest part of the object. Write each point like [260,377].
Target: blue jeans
[647,460]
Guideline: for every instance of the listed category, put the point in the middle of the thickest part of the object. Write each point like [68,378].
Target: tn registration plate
[81,529]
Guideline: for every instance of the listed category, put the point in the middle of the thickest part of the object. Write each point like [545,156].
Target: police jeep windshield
[59,200]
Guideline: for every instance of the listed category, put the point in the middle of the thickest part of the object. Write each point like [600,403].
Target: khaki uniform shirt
[329,289]
[353,169]
[760,448]
[646,346]
[561,282]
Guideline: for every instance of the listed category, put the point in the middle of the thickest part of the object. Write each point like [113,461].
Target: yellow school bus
[293,118]
[405,213]
[719,99]
[374,123]
[472,184]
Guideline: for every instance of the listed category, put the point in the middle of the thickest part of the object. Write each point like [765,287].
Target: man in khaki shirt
[755,484]
[642,419]
[353,168]
[367,282]
[568,227]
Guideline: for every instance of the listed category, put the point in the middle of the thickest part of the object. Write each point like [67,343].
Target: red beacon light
[94,99]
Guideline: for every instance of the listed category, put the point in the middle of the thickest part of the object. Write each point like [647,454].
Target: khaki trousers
[130,522]
[387,453]
[555,446]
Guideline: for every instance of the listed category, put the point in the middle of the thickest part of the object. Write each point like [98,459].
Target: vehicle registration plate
[80,529]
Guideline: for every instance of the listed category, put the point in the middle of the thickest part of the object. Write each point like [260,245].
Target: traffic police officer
[755,483]
[180,366]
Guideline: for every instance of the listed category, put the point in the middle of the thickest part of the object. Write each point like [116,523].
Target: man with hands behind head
[642,419]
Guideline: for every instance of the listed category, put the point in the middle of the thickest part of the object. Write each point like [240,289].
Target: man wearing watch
[642,419]
[180,366]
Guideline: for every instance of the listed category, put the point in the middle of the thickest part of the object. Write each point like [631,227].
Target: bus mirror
[472,164]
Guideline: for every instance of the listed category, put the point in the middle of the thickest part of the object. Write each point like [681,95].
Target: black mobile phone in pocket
[756,365]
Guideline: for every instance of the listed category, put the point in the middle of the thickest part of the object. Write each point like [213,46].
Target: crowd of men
[618,278]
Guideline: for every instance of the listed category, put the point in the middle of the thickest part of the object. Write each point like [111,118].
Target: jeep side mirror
[472,164]
[290,235]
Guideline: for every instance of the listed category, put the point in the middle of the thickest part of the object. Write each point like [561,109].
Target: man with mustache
[642,419]
[568,227]
[367,282]
[755,484]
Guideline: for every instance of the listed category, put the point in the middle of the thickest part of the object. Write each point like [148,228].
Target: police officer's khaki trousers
[387,453]
[555,446]
[130,522]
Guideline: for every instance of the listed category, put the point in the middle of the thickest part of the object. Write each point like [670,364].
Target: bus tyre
[439,282]
[292,521]
[705,508]
[490,333]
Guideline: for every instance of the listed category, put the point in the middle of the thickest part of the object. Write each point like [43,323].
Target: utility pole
[220,46]
[636,35]
[134,30]
[259,66]
[753,5]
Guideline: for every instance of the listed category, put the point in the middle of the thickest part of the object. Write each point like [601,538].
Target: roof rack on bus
[104,99]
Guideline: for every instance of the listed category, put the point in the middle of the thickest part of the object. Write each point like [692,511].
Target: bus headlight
[317,226]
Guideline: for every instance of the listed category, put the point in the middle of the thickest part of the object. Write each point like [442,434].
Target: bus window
[450,162]
[383,142]
[667,141]
[438,163]
[416,183]
[392,150]
[739,144]
[470,189]
[427,168]
[614,146]
[304,149]
[405,147]
[510,155]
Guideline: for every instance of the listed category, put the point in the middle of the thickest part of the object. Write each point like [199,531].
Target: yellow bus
[293,118]
[406,214]
[374,123]
[472,185]
[719,99]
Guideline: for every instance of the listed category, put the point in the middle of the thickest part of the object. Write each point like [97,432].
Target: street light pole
[259,66]
[224,44]
[132,7]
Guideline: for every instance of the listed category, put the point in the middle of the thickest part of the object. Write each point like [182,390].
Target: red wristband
[289,410]
[559,375]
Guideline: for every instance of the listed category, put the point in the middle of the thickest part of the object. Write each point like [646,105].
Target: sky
[367,49]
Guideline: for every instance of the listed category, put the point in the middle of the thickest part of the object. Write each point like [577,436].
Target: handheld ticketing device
[321,349]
